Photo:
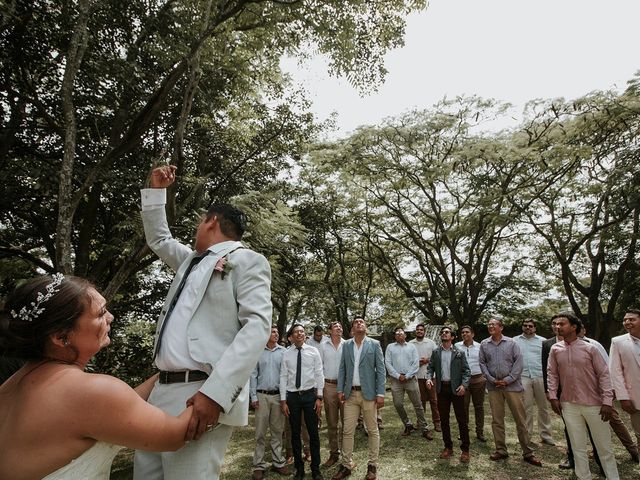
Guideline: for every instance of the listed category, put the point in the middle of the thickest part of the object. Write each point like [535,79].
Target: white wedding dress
[94,464]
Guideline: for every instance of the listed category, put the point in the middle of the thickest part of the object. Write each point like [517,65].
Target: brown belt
[183,376]
[327,380]
[268,392]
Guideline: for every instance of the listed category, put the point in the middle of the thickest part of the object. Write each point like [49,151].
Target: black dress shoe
[317,476]
[298,475]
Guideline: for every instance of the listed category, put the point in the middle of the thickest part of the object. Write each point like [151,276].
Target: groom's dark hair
[233,221]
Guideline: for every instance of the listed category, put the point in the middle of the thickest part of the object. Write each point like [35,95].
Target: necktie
[194,261]
[299,368]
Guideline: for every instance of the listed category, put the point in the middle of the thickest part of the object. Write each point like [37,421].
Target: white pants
[534,394]
[199,459]
[576,418]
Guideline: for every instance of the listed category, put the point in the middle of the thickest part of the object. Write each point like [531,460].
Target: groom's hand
[162,177]
[204,415]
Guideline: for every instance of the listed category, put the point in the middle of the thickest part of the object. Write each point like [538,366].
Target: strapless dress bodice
[94,464]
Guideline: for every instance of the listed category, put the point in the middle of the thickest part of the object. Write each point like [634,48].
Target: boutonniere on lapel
[223,266]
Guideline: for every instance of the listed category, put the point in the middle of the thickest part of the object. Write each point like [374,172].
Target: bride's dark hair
[25,335]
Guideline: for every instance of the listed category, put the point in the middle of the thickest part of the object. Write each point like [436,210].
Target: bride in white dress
[56,420]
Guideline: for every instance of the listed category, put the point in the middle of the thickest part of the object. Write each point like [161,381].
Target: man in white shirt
[401,360]
[331,352]
[532,381]
[301,386]
[318,337]
[211,331]
[477,384]
[425,347]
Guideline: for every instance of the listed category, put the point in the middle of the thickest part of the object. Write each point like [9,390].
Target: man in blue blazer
[361,385]
[452,374]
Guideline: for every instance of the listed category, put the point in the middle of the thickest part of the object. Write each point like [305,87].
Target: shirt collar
[227,245]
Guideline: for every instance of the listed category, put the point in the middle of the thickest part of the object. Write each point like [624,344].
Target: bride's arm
[144,389]
[113,412]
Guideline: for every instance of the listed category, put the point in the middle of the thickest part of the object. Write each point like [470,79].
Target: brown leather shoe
[495,456]
[446,453]
[343,472]
[307,456]
[408,428]
[427,434]
[331,461]
[464,457]
[257,475]
[371,473]
[283,470]
[437,427]
[533,460]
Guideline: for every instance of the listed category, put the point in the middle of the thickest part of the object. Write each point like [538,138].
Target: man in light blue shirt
[402,362]
[264,390]
[531,347]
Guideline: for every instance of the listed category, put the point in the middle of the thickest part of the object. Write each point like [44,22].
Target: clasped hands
[204,416]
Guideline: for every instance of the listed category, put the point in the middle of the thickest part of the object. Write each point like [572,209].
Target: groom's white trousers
[199,459]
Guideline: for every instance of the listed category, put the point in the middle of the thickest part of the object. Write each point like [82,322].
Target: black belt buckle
[183,376]
[163,377]
[301,392]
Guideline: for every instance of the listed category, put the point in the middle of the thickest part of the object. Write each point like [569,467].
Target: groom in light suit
[624,364]
[361,384]
[211,331]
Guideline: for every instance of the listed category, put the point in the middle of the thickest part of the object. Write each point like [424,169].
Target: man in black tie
[301,386]
[211,331]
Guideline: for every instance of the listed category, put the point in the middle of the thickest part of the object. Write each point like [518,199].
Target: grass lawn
[413,457]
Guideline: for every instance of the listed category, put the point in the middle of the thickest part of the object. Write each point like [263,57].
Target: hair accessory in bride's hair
[36,307]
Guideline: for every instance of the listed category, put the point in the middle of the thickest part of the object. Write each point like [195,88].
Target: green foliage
[130,355]
[94,93]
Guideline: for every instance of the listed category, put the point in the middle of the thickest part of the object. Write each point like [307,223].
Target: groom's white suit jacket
[232,321]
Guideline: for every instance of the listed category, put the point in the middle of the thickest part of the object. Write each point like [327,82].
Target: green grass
[413,457]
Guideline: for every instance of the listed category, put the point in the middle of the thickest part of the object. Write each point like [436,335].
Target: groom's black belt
[182,376]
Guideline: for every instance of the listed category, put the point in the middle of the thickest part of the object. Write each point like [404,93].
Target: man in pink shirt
[586,396]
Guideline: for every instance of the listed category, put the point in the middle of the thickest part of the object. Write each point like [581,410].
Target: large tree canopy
[93,93]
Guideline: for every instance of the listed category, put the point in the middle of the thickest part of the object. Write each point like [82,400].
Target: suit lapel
[365,347]
[352,352]
[208,265]
[632,348]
